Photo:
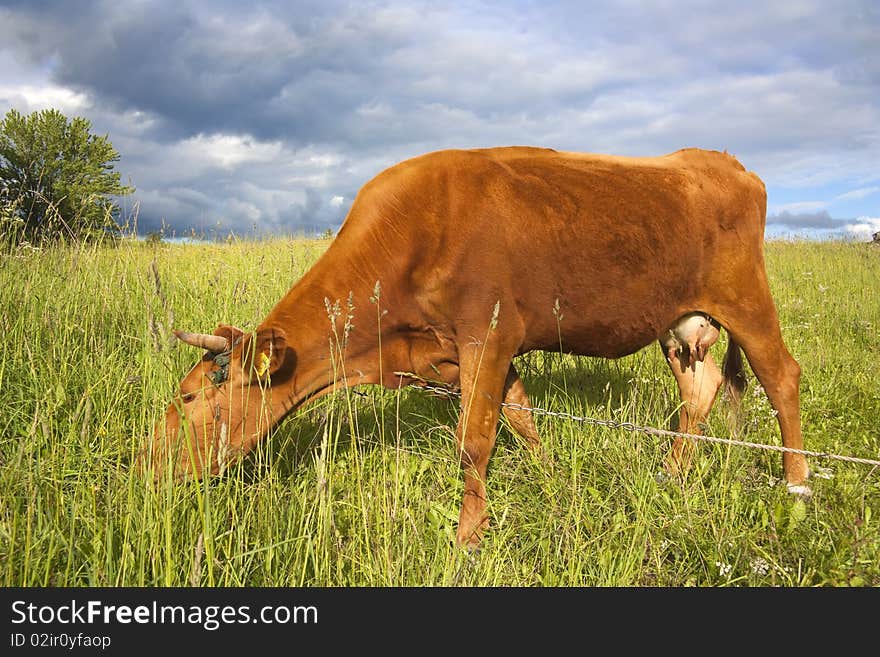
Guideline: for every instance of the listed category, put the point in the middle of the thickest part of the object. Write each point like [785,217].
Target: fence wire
[651,431]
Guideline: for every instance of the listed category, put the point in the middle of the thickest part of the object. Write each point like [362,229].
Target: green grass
[364,489]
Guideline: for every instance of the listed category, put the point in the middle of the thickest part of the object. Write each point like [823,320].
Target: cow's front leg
[483,374]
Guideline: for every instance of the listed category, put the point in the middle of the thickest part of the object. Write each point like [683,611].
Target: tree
[56,179]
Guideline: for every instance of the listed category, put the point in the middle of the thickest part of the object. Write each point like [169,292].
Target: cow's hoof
[799,489]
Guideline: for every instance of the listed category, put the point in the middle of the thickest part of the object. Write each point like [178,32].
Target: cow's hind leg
[521,420]
[779,374]
[698,386]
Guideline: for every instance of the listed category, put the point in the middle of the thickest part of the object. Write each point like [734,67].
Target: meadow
[363,487]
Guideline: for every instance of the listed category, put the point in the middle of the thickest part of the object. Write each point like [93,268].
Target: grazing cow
[476,256]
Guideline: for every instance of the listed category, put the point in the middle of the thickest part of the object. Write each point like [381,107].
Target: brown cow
[472,256]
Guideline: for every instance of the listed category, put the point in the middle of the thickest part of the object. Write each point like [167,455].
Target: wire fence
[651,431]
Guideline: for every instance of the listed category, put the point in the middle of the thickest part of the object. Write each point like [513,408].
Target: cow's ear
[267,352]
[231,333]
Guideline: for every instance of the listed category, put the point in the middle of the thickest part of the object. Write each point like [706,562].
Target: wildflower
[760,566]
[723,568]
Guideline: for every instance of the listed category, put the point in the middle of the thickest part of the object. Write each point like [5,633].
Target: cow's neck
[331,319]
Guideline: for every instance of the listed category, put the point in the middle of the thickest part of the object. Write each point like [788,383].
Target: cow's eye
[187,397]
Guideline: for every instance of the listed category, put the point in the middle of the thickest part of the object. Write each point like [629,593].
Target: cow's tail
[734,373]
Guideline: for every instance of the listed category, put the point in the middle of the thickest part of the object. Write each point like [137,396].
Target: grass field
[364,488]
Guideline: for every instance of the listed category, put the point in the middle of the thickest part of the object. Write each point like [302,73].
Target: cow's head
[225,403]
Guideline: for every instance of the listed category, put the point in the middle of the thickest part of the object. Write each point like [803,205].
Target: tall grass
[363,488]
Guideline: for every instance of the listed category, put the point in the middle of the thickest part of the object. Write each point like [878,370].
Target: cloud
[268,113]
[864,227]
[31,98]
[857,194]
[821,225]
[230,151]
[801,207]
[820,220]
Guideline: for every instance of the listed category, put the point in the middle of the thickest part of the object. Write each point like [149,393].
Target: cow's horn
[215,343]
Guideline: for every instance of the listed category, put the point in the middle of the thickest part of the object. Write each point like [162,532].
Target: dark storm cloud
[172,60]
[275,113]
[312,72]
[282,71]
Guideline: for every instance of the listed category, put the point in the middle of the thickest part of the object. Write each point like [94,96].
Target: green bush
[56,179]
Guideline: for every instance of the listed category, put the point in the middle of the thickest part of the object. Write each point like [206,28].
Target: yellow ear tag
[263,366]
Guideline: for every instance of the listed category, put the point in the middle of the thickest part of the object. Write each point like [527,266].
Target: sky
[267,117]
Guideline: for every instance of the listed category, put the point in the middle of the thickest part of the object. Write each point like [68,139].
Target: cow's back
[622,246]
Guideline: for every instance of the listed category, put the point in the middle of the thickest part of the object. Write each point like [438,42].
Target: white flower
[723,568]
[760,566]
